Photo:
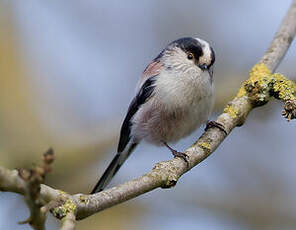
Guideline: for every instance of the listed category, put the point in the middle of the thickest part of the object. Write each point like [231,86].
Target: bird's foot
[178,154]
[211,124]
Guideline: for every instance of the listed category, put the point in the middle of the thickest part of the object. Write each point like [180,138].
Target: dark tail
[112,169]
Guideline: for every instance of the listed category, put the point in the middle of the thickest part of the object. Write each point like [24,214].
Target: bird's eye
[190,56]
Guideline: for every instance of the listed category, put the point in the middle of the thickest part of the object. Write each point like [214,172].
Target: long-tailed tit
[174,97]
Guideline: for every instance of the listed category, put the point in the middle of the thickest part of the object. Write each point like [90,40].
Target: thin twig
[32,186]
[68,222]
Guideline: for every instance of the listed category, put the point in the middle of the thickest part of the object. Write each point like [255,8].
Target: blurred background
[68,70]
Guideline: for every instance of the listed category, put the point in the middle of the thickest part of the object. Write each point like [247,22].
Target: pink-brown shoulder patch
[152,69]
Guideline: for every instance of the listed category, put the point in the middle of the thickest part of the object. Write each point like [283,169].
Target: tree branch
[281,41]
[256,91]
[68,222]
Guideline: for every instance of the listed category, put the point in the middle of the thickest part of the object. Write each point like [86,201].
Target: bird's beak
[203,67]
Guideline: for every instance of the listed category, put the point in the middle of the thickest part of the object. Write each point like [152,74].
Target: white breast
[180,104]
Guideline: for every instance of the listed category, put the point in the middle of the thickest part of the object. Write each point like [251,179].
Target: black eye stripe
[196,50]
[194,46]
[190,45]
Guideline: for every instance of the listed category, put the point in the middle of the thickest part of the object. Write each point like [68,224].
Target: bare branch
[281,41]
[31,188]
[10,181]
[68,222]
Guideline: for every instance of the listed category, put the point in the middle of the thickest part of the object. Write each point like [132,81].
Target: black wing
[142,96]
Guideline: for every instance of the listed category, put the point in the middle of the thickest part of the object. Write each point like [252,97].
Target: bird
[174,97]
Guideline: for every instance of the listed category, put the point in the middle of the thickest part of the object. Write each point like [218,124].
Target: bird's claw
[181,155]
[178,154]
[211,124]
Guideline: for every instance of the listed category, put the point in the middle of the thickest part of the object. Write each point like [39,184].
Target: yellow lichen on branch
[284,88]
[232,111]
[262,85]
[205,146]
[61,211]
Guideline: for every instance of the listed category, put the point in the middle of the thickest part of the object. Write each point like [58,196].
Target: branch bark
[166,174]
[68,222]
